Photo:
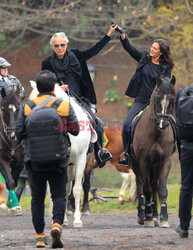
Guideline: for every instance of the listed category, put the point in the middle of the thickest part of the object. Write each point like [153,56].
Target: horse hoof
[3,207]
[65,224]
[121,202]
[140,221]
[77,225]
[69,212]
[148,223]
[128,200]
[164,224]
[87,212]
[15,211]
[156,222]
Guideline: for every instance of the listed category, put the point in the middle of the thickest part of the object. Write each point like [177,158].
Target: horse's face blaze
[164,103]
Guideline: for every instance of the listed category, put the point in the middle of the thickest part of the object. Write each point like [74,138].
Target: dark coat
[12,80]
[142,58]
[83,56]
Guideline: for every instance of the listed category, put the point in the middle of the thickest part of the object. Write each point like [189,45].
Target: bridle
[158,117]
[8,137]
[6,129]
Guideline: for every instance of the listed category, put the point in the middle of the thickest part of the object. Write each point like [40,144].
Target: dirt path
[101,231]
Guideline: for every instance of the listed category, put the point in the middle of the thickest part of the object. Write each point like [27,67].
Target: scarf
[69,64]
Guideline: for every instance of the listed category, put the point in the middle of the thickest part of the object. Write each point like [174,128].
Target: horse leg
[141,198]
[71,169]
[16,168]
[155,210]
[133,188]
[77,190]
[163,194]
[148,205]
[12,201]
[155,178]
[10,184]
[2,197]
[124,186]
[86,189]
[71,202]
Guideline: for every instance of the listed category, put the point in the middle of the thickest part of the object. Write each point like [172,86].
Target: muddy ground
[101,231]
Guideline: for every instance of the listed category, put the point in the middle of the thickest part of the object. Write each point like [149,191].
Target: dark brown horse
[153,144]
[11,152]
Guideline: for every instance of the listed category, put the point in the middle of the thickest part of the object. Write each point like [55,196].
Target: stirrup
[106,155]
[125,161]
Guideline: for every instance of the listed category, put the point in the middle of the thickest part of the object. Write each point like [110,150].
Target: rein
[13,150]
[6,128]
[7,138]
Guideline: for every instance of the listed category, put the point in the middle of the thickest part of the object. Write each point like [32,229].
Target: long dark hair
[165,50]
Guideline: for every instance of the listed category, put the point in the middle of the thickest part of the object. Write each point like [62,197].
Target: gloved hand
[119,29]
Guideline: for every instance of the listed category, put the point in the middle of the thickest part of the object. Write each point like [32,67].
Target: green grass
[25,202]
[113,205]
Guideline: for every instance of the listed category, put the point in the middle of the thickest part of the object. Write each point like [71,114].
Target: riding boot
[124,158]
[101,154]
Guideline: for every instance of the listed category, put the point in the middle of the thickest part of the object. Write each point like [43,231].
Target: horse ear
[3,92]
[158,80]
[173,80]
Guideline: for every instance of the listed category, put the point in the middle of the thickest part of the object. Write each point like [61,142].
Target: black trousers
[57,182]
[185,202]
[136,108]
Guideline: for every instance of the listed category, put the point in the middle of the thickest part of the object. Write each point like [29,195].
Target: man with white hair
[8,81]
[72,73]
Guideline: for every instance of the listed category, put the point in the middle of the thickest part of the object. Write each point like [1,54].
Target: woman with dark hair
[158,61]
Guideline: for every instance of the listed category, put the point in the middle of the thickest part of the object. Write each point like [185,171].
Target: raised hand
[112,29]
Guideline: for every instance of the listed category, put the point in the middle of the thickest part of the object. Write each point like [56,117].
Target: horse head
[163,101]
[9,108]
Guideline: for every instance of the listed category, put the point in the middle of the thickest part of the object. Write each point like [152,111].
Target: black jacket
[83,56]
[12,81]
[21,132]
[142,58]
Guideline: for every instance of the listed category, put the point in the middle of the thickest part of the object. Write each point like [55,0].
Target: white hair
[61,34]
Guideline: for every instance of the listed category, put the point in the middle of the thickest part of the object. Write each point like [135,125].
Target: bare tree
[82,20]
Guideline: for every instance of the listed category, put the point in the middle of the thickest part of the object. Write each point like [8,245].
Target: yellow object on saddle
[105,139]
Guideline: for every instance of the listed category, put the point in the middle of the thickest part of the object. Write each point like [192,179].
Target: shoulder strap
[56,104]
[43,103]
[31,104]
